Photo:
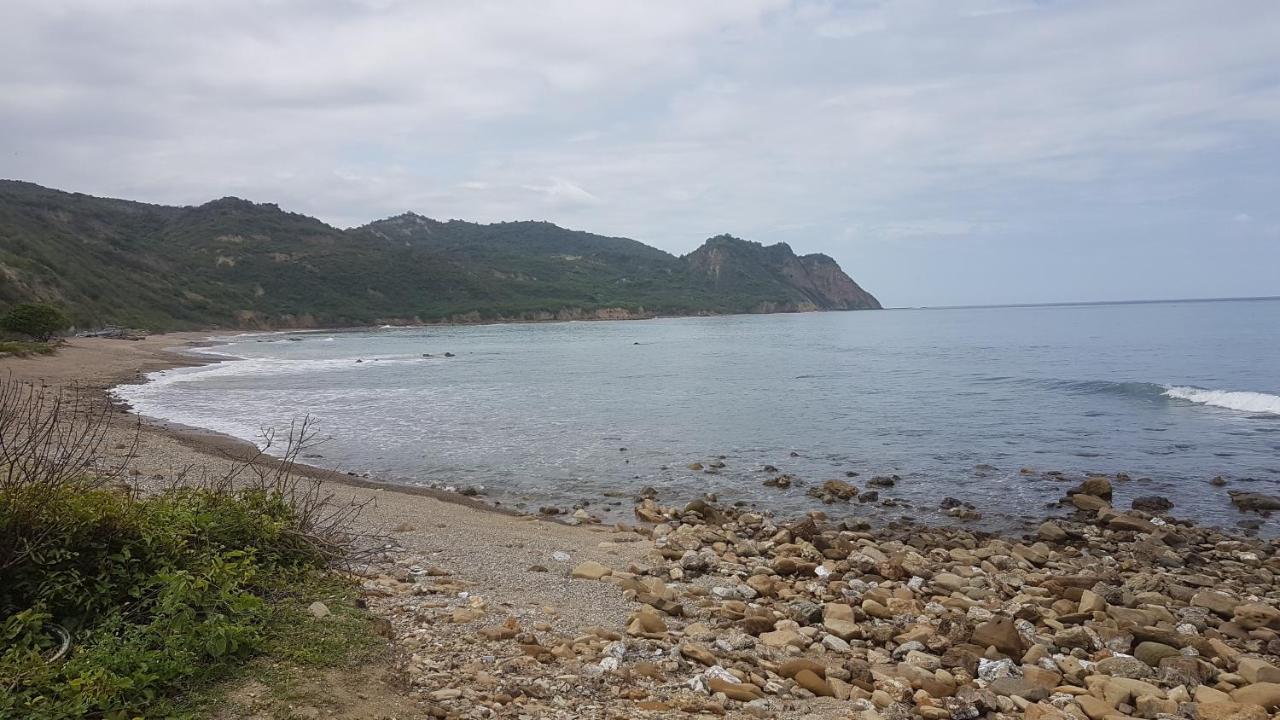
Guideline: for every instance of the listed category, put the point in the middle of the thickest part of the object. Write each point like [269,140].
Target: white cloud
[665,120]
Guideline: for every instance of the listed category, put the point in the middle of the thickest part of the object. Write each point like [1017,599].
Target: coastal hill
[236,263]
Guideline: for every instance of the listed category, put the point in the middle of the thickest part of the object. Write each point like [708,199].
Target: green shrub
[22,348]
[156,593]
[37,320]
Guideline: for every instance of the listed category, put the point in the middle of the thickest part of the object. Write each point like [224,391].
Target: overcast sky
[943,152]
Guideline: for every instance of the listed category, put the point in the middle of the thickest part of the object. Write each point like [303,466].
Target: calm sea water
[953,401]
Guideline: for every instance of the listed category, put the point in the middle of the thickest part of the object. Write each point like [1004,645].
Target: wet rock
[1095,486]
[1152,503]
[1253,501]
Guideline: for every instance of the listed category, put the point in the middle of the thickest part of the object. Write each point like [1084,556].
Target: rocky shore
[1104,614]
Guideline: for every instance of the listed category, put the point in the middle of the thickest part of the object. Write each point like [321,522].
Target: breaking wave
[1243,401]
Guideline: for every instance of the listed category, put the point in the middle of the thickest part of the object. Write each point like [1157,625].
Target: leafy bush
[39,321]
[155,591]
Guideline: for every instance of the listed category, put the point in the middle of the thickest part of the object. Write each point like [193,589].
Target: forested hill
[235,263]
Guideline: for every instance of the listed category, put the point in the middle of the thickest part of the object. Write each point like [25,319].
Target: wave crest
[1241,400]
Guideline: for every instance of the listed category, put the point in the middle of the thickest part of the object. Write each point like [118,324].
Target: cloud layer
[943,151]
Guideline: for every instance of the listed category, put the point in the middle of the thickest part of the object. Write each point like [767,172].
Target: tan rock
[783,638]
[646,622]
[1252,616]
[742,692]
[1094,707]
[1000,633]
[843,629]
[1220,603]
[1229,711]
[1089,503]
[790,668]
[1090,602]
[698,653]
[810,681]
[1266,694]
[592,570]
[1257,670]
[1204,694]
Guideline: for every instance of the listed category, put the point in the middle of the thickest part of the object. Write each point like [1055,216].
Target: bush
[159,593]
[155,591]
[39,321]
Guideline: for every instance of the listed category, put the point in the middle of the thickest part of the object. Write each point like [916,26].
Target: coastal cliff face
[799,283]
[236,263]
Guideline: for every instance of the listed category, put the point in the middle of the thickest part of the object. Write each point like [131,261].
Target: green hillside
[234,263]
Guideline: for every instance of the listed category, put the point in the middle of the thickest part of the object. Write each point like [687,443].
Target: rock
[1257,502]
[1220,603]
[810,681]
[1152,653]
[1001,633]
[783,638]
[1094,708]
[1019,687]
[1131,523]
[1089,503]
[646,622]
[1257,670]
[1125,667]
[1252,616]
[792,667]
[740,691]
[1091,602]
[318,610]
[833,490]
[1051,531]
[1096,486]
[1266,694]
[1155,504]
[697,652]
[1229,711]
[591,570]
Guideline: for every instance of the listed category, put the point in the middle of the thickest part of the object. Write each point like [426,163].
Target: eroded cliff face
[798,283]
[824,278]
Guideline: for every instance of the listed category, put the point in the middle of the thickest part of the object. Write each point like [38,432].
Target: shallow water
[953,401]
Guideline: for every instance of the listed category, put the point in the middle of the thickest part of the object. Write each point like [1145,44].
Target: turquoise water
[954,401]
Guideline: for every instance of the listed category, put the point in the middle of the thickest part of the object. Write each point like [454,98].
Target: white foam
[1241,400]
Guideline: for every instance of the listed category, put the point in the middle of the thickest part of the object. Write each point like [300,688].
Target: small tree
[39,321]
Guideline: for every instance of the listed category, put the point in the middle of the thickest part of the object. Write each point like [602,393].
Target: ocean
[956,402]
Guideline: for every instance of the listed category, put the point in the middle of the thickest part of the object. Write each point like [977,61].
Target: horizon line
[1078,303]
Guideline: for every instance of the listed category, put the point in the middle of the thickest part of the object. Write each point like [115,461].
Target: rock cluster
[1105,614]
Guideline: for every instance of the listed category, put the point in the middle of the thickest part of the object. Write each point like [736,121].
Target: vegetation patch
[118,605]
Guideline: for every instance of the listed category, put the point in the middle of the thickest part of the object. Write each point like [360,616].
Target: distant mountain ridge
[235,263]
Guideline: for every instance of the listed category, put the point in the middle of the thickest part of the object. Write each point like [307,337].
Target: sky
[944,152]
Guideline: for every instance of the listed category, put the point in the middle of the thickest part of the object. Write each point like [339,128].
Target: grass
[23,348]
[297,649]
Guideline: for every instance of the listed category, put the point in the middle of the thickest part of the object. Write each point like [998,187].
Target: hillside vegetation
[235,263]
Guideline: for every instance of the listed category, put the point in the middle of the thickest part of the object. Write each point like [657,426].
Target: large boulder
[1258,502]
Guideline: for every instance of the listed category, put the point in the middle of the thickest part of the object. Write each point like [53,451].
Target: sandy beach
[706,611]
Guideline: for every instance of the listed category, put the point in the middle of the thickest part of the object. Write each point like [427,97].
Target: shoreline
[175,350]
